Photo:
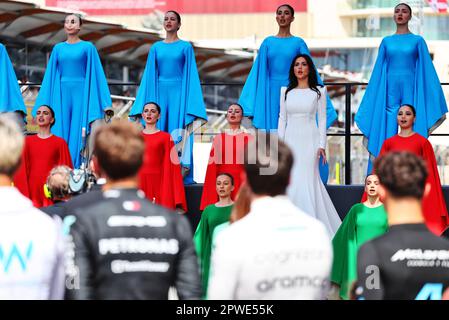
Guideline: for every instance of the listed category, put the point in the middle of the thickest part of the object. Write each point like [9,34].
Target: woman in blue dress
[171,79]
[10,96]
[403,74]
[75,87]
[260,96]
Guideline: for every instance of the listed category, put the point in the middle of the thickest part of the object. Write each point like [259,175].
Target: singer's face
[72,25]
[402,14]
[234,115]
[44,117]
[224,186]
[150,114]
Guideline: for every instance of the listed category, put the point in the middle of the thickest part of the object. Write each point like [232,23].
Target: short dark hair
[404,4]
[153,103]
[289,7]
[238,105]
[410,106]
[403,174]
[266,151]
[78,16]
[119,148]
[227,175]
[178,16]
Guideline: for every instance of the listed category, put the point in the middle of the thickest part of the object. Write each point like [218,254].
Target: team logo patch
[132,205]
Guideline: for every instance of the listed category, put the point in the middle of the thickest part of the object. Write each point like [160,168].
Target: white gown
[299,130]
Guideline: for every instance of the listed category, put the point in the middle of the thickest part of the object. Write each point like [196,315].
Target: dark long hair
[312,79]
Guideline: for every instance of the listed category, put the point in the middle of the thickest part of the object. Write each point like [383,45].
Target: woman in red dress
[434,206]
[160,175]
[42,152]
[226,156]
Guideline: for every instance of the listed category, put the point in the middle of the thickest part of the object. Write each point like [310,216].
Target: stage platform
[343,197]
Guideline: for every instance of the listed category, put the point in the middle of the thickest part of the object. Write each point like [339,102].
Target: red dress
[38,158]
[226,156]
[434,206]
[160,177]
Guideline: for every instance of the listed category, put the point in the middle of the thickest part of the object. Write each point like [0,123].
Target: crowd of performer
[263,234]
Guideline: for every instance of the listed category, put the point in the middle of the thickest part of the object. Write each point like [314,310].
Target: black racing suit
[406,263]
[446,233]
[125,247]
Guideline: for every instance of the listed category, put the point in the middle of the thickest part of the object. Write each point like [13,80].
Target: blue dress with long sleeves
[262,90]
[403,74]
[261,93]
[75,87]
[171,80]
[10,97]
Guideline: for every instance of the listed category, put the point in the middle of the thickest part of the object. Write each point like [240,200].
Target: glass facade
[434,27]
[368,4]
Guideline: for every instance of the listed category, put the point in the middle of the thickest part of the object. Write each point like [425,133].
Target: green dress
[211,217]
[360,225]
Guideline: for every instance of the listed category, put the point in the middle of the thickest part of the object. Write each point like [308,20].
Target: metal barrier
[347,134]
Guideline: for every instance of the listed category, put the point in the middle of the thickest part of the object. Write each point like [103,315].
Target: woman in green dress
[363,222]
[212,216]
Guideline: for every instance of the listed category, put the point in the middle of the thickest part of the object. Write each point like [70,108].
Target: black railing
[348,114]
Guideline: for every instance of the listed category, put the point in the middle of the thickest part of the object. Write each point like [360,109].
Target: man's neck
[5,181]
[127,183]
[404,211]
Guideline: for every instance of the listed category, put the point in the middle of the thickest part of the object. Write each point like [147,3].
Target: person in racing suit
[123,246]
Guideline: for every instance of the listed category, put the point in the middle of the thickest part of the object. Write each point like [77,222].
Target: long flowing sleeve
[192,102]
[64,155]
[322,108]
[282,125]
[209,195]
[344,268]
[255,92]
[11,97]
[148,89]
[371,117]
[429,99]
[202,241]
[172,189]
[96,91]
[434,204]
[50,92]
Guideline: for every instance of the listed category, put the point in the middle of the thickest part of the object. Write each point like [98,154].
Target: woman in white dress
[300,103]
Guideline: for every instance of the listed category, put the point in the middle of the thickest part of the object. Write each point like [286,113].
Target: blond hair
[11,145]
[58,182]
